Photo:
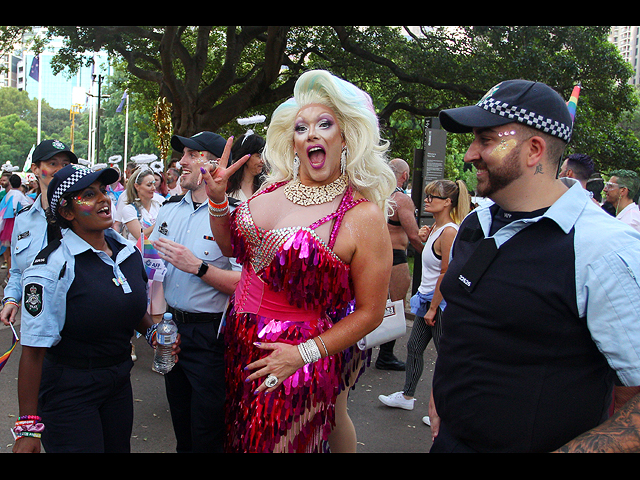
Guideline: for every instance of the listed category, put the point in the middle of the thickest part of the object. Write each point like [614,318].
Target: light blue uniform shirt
[179,222]
[46,286]
[607,265]
[28,239]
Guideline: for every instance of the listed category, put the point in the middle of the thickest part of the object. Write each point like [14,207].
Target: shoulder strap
[346,204]
[173,199]
[25,209]
[268,189]
[43,257]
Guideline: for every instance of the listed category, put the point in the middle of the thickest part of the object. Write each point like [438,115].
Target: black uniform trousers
[195,389]
[86,410]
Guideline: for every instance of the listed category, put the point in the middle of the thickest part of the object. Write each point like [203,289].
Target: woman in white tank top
[449,203]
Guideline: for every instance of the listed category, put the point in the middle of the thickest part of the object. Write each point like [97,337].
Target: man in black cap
[197,284]
[542,297]
[30,229]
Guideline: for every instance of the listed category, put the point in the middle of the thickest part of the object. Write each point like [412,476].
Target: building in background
[58,90]
[626,40]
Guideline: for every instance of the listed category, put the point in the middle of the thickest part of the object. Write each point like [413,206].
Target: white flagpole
[126,134]
[39,100]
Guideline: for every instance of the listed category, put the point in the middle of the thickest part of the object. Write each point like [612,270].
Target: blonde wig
[367,164]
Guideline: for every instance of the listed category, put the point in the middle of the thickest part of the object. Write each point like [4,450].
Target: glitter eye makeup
[85,206]
[504,148]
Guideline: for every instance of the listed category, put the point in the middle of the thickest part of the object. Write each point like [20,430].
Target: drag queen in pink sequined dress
[314,246]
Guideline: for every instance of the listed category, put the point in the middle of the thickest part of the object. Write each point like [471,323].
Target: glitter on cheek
[504,148]
[85,207]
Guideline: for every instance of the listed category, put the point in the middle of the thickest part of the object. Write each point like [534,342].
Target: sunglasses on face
[429,198]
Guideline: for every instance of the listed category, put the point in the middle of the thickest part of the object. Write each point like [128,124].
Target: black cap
[74,178]
[202,142]
[530,103]
[48,148]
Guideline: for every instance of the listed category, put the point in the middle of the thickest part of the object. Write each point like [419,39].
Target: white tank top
[431,265]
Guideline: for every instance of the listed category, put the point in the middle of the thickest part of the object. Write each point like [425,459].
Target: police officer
[83,296]
[197,284]
[30,228]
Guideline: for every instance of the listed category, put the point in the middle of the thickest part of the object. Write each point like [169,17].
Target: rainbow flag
[5,357]
[572,104]
[150,257]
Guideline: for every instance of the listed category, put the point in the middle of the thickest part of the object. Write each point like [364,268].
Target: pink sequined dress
[293,288]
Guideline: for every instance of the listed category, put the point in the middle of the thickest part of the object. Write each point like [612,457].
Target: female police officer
[82,298]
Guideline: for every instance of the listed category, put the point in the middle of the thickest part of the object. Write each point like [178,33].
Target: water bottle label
[168,339]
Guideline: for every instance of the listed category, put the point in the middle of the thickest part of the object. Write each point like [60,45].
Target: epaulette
[173,199]
[25,209]
[43,256]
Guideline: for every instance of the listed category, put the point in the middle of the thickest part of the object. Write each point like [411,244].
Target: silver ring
[271,381]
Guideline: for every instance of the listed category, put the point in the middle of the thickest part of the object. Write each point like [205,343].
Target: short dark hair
[582,165]
[15,181]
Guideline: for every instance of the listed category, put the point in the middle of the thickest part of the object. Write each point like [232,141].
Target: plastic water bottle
[166,334]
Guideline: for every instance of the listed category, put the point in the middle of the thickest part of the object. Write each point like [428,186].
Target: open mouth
[105,211]
[317,156]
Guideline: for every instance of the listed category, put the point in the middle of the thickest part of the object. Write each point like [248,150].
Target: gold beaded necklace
[303,195]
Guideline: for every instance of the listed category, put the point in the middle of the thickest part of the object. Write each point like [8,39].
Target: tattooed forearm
[619,434]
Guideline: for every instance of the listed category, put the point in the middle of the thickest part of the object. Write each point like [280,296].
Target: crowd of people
[279,254]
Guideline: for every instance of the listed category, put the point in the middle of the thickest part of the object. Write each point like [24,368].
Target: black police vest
[100,317]
[517,370]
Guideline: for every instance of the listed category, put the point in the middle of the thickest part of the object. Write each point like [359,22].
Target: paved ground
[380,429]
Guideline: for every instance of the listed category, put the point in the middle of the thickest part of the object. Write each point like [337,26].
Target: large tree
[214,74]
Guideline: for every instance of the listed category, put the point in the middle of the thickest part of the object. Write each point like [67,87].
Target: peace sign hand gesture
[216,177]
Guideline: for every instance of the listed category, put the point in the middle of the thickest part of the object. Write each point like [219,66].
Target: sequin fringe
[296,417]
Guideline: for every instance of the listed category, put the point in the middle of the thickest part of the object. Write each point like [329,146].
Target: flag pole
[39,101]
[126,131]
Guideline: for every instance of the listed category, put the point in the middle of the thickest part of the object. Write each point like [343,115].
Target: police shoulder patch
[33,299]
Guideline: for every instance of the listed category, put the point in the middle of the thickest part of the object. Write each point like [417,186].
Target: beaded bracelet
[30,417]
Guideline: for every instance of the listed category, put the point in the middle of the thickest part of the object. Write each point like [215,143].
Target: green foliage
[214,75]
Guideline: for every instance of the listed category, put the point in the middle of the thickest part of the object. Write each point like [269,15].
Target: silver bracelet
[325,347]
[309,351]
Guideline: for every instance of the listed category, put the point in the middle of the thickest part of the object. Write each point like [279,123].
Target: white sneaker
[397,400]
[426,420]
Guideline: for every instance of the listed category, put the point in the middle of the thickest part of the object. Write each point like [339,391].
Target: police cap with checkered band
[74,178]
[531,103]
